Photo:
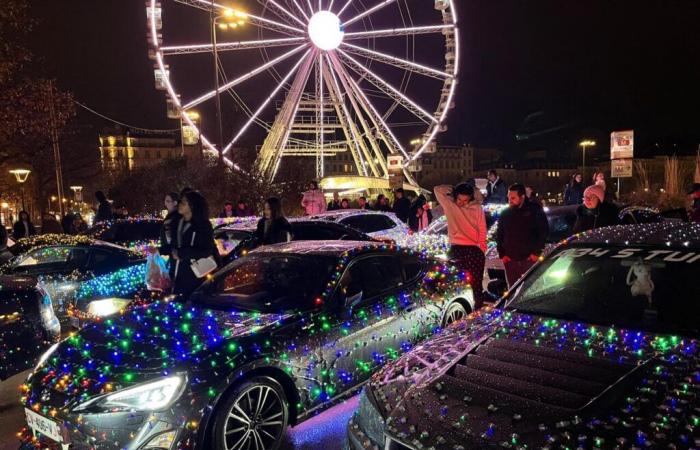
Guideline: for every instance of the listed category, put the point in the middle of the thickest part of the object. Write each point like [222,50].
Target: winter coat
[606,214]
[192,241]
[278,231]
[522,231]
[245,212]
[313,202]
[49,224]
[573,194]
[402,208]
[496,192]
[167,237]
[466,225]
[19,231]
[333,206]
[104,212]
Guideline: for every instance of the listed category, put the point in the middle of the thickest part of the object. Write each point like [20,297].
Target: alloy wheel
[256,420]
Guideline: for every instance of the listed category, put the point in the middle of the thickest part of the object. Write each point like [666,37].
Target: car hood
[143,344]
[503,378]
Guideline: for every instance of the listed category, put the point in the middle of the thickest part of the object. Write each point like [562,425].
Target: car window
[560,227]
[634,288]
[315,232]
[50,255]
[270,283]
[228,240]
[369,223]
[375,274]
[412,266]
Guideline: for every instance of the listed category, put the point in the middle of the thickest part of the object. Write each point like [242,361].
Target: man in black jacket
[496,191]
[521,234]
[402,205]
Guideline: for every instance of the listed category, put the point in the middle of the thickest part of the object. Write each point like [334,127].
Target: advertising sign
[395,165]
[622,144]
[621,168]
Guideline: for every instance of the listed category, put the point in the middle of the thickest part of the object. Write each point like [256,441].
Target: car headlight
[151,396]
[107,306]
[369,419]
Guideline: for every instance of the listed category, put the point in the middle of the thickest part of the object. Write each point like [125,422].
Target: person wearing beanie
[595,212]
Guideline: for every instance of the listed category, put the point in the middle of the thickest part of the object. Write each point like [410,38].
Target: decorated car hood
[511,380]
[142,344]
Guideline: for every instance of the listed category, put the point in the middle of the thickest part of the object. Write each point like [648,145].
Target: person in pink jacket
[313,201]
[466,230]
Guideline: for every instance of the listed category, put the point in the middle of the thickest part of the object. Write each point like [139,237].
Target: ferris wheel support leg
[268,160]
[350,133]
[376,150]
[319,117]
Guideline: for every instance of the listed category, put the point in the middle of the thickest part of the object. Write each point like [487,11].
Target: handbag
[203,266]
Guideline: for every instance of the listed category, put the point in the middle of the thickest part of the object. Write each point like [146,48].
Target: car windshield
[636,288]
[269,283]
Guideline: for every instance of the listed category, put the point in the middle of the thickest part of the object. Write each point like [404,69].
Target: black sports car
[54,280]
[597,347]
[232,240]
[269,340]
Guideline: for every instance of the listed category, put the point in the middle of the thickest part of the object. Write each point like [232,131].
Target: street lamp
[584,145]
[77,193]
[21,176]
[230,19]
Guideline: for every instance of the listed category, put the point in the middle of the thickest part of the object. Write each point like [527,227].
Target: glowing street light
[21,176]
[584,145]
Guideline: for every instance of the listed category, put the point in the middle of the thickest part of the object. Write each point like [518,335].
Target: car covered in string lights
[378,224]
[267,341]
[56,277]
[596,347]
[235,239]
[134,232]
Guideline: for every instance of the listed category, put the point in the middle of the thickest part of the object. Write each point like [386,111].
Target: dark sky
[582,67]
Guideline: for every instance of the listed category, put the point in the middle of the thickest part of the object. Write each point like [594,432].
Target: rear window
[369,223]
[630,287]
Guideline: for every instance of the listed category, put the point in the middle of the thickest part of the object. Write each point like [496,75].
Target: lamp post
[232,19]
[584,145]
[21,176]
[78,195]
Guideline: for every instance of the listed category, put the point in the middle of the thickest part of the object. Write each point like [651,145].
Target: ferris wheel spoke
[392,32]
[366,13]
[388,89]
[301,10]
[256,114]
[345,6]
[397,62]
[284,10]
[391,141]
[229,46]
[243,78]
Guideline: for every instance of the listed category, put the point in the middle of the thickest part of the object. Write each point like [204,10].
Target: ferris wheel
[366,79]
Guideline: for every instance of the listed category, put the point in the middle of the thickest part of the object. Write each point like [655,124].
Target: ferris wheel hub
[325,31]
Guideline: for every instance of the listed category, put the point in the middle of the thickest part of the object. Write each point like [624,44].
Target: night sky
[575,68]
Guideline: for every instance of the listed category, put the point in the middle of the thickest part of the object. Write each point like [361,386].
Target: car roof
[662,234]
[324,248]
[348,212]
[293,221]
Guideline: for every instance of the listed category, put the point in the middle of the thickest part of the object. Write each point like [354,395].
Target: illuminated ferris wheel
[310,78]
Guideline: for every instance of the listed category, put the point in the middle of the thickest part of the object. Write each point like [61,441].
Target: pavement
[321,432]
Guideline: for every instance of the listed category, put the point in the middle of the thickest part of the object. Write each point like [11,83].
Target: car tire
[454,312]
[254,415]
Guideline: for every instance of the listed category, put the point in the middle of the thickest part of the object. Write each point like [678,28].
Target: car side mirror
[353,300]
[497,287]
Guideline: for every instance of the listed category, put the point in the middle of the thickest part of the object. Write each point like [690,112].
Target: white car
[378,224]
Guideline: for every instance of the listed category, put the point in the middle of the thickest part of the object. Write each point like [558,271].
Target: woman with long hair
[24,227]
[573,194]
[273,227]
[193,241]
[169,228]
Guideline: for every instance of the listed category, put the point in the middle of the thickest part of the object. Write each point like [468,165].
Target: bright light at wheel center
[324,30]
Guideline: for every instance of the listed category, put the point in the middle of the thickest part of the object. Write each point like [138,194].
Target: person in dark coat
[49,224]
[419,216]
[402,206]
[169,227]
[194,240]
[104,208]
[227,211]
[67,223]
[242,209]
[24,227]
[595,212]
[273,227]
[573,194]
[334,204]
[496,191]
[362,203]
[521,234]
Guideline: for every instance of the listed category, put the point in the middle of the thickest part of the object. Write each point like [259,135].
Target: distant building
[126,150]
[447,165]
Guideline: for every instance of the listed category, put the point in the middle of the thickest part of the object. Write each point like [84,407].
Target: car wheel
[253,416]
[455,312]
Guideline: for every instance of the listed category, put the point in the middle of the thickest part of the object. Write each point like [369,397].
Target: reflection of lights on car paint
[107,307]
[46,355]
[441,256]
[559,274]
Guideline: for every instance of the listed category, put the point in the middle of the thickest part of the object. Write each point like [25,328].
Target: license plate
[43,425]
